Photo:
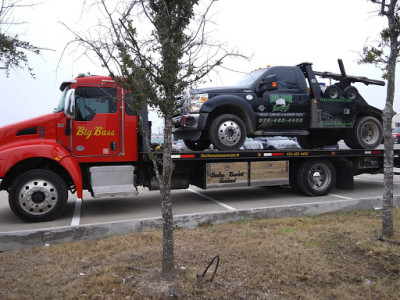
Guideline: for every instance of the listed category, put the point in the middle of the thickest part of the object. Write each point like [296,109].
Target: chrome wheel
[38,197]
[319,177]
[229,133]
[313,177]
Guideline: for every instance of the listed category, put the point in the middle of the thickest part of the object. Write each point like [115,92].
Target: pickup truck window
[93,100]
[287,79]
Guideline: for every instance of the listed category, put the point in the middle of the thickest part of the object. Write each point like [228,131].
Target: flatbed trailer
[310,172]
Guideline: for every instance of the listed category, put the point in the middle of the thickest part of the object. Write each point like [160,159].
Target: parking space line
[213,200]
[76,218]
[372,180]
[369,180]
[343,197]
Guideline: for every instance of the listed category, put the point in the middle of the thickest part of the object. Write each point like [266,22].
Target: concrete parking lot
[95,218]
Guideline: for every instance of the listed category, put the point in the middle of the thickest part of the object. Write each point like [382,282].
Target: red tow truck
[91,142]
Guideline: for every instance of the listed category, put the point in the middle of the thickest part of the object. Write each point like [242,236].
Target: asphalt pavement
[96,218]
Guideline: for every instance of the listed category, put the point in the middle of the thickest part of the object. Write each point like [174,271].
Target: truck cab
[90,138]
[96,120]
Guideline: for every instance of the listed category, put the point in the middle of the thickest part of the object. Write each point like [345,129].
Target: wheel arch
[37,163]
[370,113]
[230,105]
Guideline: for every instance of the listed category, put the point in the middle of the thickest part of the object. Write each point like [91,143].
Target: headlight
[196,101]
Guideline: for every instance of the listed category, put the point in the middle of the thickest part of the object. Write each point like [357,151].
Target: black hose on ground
[380,238]
[201,277]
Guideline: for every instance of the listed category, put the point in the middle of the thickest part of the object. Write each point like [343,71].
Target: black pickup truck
[281,100]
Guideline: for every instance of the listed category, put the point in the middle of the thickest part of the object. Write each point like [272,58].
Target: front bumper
[190,126]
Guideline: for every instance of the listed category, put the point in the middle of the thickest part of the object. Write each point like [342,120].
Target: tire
[304,142]
[350,93]
[227,132]
[311,142]
[199,145]
[367,133]
[350,142]
[315,177]
[38,196]
[333,92]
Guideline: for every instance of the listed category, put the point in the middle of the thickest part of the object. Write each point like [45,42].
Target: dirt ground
[333,256]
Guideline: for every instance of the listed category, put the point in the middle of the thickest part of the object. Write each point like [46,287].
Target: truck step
[108,181]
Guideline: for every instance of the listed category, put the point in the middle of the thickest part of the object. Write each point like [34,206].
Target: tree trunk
[387,217]
[168,268]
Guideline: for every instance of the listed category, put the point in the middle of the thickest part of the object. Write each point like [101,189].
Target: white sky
[285,32]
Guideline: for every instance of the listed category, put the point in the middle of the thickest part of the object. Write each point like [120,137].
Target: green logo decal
[281,102]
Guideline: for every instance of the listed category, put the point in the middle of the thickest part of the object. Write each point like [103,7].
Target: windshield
[250,78]
[61,104]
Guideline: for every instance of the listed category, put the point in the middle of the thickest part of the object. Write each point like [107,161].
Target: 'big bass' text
[98,131]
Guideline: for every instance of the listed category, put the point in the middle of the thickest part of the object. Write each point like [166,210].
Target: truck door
[96,127]
[288,106]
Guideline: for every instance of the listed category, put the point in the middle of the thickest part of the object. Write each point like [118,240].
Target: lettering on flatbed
[227,174]
[219,155]
[297,154]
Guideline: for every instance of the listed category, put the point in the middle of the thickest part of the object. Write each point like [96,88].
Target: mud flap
[344,175]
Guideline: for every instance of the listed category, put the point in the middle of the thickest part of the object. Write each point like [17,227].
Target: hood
[219,90]
[39,127]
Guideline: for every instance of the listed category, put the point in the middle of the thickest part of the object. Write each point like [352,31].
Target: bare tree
[12,48]
[386,55]
[156,49]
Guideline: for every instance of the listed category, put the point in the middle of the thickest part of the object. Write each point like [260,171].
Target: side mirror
[267,84]
[69,107]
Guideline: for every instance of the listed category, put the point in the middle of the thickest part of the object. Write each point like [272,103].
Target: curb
[43,237]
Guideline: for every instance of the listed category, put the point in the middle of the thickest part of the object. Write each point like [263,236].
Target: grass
[333,256]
